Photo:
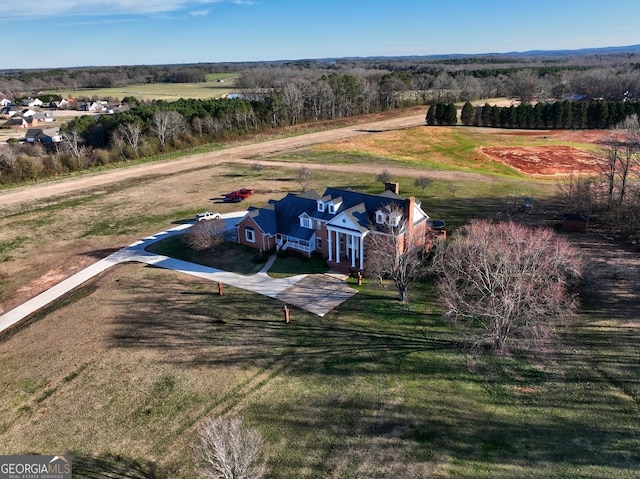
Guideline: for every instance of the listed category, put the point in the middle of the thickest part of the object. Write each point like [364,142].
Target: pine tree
[467,114]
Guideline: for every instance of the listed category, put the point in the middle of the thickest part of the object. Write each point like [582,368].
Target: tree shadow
[108,466]
[100,253]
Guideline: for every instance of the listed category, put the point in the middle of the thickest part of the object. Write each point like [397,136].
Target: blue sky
[63,33]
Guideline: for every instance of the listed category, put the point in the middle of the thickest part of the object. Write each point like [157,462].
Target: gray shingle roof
[283,216]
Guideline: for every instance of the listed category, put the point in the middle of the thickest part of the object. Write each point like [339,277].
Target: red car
[242,193]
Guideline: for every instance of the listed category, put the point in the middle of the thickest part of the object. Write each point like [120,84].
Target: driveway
[316,293]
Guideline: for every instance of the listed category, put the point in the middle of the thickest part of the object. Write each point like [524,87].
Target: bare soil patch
[545,160]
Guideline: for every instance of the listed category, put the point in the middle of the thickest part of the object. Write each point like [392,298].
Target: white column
[329,245]
[362,253]
[337,246]
[354,239]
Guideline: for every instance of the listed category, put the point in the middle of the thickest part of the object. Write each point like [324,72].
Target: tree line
[559,114]
[277,94]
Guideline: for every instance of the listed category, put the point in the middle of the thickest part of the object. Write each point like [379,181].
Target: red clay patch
[545,160]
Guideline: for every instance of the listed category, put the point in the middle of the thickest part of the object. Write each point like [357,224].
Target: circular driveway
[317,293]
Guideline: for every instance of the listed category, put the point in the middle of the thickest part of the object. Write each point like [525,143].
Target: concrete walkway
[319,294]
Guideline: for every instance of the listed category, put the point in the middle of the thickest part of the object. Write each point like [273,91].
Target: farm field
[212,88]
[121,372]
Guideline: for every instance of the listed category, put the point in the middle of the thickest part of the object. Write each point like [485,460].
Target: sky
[67,33]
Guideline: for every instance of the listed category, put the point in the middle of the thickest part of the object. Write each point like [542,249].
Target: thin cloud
[18,9]
[199,13]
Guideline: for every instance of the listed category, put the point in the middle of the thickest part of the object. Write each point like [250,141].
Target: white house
[31,102]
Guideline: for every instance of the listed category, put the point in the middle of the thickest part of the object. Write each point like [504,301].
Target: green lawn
[161,91]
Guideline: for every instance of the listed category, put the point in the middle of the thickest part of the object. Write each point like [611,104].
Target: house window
[318,224]
[320,206]
[305,222]
[394,219]
[379,217]
[250,234]
[318,243]
[332,209]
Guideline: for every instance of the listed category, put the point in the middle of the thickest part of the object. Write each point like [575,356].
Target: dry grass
[121,372]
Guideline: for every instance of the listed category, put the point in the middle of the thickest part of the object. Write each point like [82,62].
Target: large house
[334,225]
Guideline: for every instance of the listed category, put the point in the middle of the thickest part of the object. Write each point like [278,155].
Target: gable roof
[360,207]
[354,210]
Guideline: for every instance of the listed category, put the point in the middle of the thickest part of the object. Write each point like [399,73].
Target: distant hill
[580,52]
[630,49]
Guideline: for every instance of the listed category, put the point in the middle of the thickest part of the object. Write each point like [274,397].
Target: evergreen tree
[450,114]
[467,114]
[487,115]
[431,115]
[567,114]
[580,115]
[441,113]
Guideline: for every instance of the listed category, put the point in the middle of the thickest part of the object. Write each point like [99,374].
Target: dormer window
[394,219]
[306,222]
[321,206]
[334,205]
[391,219]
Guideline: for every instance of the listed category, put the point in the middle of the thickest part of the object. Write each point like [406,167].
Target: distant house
[27,112]
[15,122]
[31,102]
[334,225]
[11,110]
[57,104]
[94,106]
[4,102]
[46,136]
[43,117]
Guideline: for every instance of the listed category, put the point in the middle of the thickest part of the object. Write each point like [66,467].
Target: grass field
[121,372]
[212,88]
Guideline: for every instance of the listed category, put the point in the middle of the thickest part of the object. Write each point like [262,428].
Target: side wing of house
[258,229]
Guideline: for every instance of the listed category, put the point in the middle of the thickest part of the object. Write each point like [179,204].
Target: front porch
[345,250]
[284,242]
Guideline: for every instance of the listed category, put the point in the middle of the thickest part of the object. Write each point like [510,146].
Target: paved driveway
[317,293]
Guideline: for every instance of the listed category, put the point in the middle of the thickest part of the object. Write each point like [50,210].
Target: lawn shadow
[107,466]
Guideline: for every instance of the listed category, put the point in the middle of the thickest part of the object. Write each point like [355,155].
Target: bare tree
[303,177]
[166,125]
[8,159]
[120,142]
[206,234]
[384,177]
[131,132]
[422,182]
[395,250]
[526,85]
[293,96]
[579,194]
[628,162]
[74,144]
[228,449]
[507,280]
[453,188]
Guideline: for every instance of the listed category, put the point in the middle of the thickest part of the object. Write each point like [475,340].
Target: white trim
[250,234]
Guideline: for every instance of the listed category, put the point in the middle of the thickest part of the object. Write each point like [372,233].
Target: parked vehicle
[208,215]
[242,193]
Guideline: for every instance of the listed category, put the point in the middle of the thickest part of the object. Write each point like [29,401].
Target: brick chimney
[393,187]
[410,208]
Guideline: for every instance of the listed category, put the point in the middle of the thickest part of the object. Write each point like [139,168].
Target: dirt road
[13,199]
